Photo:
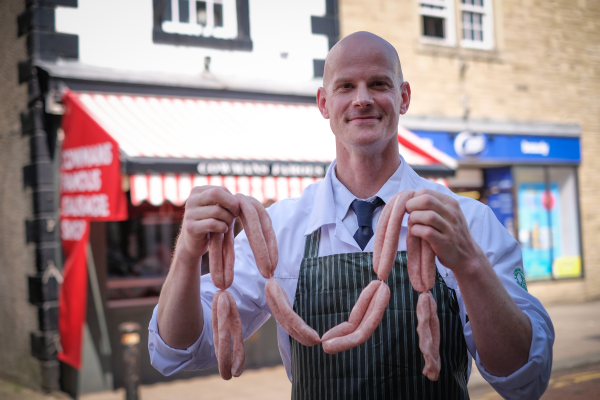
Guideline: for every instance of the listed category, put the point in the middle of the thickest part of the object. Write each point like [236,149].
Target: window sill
[241,43]
[453,51]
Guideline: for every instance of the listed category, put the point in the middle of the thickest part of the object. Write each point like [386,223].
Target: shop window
[548,221]
[222,24]
[437,21]
[477,30]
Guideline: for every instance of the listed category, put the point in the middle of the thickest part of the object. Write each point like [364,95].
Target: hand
[438,219]
[208,209]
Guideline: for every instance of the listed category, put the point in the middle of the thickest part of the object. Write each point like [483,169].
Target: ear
[405,93]
[322,103]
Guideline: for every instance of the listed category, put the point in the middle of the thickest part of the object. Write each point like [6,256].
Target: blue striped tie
[364,214]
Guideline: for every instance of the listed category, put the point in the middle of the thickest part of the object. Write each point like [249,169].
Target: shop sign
[475,146]
[262,168]
[90,190]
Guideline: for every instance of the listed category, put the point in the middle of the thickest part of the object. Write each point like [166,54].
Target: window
[477,29]
[437,21]
[209,18]
[221,24]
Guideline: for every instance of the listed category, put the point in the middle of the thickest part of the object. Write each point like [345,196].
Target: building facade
[511,89]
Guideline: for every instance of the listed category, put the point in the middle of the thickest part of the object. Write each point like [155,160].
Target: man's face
[363,96]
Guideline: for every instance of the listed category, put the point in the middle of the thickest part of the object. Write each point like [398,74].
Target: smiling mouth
[366,118]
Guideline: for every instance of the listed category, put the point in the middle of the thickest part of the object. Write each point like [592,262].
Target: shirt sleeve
[504,253]
[248,290]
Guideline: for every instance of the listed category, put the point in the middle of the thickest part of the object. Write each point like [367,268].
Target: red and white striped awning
[157,132]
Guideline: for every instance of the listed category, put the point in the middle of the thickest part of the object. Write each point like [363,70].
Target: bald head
[364,45]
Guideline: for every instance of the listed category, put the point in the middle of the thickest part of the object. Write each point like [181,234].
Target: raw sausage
[287,318]
[370,322]
[414,261]
[268,233]
[428,267]
[235,323]
[228,256]
[429,335]
[255,235]
[392,235]
[382,225]
[356,315]
[224,353]
[215,262]
[215,321]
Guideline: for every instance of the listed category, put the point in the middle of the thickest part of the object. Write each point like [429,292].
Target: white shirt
[326,205]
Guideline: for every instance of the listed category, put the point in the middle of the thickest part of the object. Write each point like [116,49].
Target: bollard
[130,339]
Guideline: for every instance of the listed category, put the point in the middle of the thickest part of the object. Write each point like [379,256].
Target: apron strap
[311,246]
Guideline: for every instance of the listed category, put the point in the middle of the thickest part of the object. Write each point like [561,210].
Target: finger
[211,195]
[427,202]
[206,212]
[205,226]
[431,235]
[441,197]
[428,218]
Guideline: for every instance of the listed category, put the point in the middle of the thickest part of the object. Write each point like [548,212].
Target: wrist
[185,257]
[473,267]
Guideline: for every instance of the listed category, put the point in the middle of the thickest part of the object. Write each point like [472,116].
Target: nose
[362,98]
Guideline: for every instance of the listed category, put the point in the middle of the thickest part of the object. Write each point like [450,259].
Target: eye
[379,83]
[346,86]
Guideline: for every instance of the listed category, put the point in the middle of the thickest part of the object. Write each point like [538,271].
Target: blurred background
[505,110]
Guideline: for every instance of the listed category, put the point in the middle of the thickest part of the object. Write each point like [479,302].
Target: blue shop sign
[474,146]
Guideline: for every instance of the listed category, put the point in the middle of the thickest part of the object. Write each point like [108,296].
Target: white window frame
[193,28]
[487,22]
[449,21]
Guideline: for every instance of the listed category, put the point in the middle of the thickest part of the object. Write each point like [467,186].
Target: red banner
[90,190]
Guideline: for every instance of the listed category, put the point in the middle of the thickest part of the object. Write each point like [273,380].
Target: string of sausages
[366,314]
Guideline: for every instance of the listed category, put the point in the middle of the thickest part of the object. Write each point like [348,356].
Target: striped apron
[389,364]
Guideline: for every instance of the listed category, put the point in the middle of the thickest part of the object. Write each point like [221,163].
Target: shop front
[528,177]
[166,146]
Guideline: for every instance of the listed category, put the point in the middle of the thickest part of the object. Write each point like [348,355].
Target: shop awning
[267,150]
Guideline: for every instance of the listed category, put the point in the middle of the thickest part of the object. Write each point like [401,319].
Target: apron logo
[520,278]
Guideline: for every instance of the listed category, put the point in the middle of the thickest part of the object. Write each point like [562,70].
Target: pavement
[576,363]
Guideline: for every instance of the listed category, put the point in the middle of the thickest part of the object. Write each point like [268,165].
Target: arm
[180,316]
[501,331]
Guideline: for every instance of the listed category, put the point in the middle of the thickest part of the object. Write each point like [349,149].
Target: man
[325,241]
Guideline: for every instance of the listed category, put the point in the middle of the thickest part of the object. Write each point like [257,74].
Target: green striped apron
[389,364]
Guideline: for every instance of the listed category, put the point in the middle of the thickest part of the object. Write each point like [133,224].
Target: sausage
[392,235]
[268,233]
[215,264]
[215,321]
[256,238]
[428,328]
[224,353]
[382,225]
[370,322]
[414,261]
[428,267]
[235,323]
[228,256]
[287,318]
[356,315]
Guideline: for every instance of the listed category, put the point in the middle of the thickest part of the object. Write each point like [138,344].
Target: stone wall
[17,316]
[545,67]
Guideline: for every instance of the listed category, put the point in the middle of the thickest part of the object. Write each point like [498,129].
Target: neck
[365,173]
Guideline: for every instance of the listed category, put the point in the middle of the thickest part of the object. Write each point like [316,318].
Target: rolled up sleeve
[248,292]
[504,253]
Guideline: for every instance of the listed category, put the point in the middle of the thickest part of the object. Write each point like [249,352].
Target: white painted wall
[117,35]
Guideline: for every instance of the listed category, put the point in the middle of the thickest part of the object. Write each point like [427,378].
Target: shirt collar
[324,206]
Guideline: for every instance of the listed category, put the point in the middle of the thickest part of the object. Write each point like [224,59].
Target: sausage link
[224,357]
[215,262]
[251,222]
[215,321]
[228,256]
[366,329]
[356,315]
[428,267]
[414,261]
[382,225]
[268,233]
[425,313]
[392,235]
[239,354]
[287,318]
